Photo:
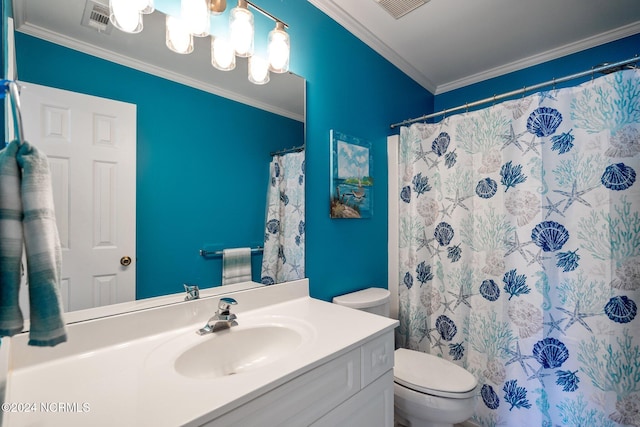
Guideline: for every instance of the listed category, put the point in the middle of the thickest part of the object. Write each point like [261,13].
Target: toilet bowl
[428,391]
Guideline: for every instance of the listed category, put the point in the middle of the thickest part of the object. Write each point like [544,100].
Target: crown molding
[588,43]
[89,49]
[335,12]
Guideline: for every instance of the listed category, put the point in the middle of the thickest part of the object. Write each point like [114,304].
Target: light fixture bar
[267,14]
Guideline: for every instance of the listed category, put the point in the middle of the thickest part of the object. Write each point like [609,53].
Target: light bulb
[258,70]
[222,55]
[241,30]
[195,13]
[125,16]
[279,49]
[178,37]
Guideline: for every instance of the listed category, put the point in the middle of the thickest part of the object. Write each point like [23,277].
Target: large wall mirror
[203,143]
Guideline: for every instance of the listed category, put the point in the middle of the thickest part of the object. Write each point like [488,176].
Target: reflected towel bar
[204,252]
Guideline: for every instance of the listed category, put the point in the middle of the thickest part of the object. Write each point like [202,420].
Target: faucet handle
[193,292]
[225,304]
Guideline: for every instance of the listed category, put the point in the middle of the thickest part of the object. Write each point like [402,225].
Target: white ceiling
[447,44]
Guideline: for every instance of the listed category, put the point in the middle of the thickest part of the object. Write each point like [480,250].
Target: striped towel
[28,211]
[11,241]
[236,265]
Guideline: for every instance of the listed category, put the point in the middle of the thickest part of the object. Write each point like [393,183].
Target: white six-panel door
[91,145]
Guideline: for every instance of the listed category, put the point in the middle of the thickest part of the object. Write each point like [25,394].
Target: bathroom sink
[237,350]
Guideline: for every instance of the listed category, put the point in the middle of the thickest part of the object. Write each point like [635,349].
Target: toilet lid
[365,298]
[432,375]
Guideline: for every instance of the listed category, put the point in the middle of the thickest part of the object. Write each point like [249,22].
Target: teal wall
[203,163]
[350,88]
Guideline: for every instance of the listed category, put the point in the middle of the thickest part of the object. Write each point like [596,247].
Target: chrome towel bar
[204,252]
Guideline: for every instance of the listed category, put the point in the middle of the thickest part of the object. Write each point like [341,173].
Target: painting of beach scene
[351,177]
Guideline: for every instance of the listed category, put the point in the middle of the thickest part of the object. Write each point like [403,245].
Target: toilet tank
[372,300]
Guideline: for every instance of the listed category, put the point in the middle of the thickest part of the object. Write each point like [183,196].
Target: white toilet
[428,391]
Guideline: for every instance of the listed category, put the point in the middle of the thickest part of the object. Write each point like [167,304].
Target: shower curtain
[520,252]
[284,236]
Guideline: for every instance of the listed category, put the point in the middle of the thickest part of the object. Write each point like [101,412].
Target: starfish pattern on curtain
[519,236]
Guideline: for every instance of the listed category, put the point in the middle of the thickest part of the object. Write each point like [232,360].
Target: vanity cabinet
[339,375]
[353,389]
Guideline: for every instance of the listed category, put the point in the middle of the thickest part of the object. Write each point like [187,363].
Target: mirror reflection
[201,144]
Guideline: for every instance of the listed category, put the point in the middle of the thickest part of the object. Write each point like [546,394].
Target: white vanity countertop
[133,384]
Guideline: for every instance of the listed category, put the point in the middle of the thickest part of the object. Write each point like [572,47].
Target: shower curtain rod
[287,150]
[597,69]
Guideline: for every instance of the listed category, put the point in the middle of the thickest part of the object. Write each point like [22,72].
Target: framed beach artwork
[351,177]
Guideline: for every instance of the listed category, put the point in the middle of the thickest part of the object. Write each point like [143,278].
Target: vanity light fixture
[216,7]
[279,49]
[195,14]
[178,37]
[222,55]
[195,21]
[241,29]
[125,16]
[258,70]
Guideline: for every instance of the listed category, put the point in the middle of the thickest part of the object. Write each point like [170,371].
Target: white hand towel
[236,265]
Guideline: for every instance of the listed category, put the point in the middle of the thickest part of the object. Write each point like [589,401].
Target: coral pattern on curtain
[284,236]
[520,252]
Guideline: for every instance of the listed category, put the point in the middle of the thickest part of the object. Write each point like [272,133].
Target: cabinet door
[377,358]
[303,399]
[372,407]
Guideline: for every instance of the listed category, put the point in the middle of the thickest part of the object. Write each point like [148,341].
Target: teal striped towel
[11,241]
[236,265]
[27,214]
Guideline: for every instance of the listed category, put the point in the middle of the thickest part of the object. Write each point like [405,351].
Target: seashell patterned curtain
[520,252]
[284,236]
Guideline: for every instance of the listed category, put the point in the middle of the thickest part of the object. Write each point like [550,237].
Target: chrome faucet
[223,319]
[193,292]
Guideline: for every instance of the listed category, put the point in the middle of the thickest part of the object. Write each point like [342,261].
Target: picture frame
[351,177]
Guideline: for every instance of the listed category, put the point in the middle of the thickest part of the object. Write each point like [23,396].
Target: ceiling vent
[96,16]
[399,8]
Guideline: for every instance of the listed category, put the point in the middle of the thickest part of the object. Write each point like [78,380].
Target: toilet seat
[425,373]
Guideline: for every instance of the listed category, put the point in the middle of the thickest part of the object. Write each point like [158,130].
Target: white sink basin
[237,350]
[257,342]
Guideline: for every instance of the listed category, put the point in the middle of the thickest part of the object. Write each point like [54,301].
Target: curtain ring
[466,107]
[494,99]
[524,91]
[553,85]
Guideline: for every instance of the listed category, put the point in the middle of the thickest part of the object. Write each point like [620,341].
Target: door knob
[125,261]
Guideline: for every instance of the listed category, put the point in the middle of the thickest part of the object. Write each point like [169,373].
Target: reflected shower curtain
[520,252]
[284,236]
